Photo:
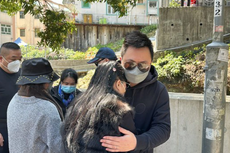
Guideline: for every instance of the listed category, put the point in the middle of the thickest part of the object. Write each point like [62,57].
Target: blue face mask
[68,89]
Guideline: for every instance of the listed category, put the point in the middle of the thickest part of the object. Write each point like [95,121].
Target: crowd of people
[124,109]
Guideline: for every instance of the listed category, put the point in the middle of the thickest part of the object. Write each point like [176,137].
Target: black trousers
[3,131]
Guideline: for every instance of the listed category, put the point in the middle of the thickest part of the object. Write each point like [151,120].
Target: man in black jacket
[147,95]
[10,57]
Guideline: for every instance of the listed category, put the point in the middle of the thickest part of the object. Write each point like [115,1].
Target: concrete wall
[187,122]
[186,25]
[91,35]
[81,66]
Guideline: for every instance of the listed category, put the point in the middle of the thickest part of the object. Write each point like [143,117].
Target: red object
[192,2]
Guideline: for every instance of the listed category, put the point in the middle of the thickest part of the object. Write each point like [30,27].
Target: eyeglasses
[98,61]
[143,67]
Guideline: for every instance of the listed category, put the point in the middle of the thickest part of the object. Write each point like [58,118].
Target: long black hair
[87,107]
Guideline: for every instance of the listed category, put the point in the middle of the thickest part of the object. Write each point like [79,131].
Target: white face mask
[135,76]
[13,66]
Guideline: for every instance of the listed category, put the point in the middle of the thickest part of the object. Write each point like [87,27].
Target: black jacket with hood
[152,118]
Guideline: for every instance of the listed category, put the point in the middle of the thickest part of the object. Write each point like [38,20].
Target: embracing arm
[160,129]
[158,133]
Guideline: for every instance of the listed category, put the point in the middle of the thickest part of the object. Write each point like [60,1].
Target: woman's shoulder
[118,107]
[124,106]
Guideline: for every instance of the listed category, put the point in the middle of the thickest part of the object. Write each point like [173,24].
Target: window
[110,10]
[152,7]
[6,29]
[36,16]
[153,4]
[84,4]
[22,32]
[22,15]
[36,32]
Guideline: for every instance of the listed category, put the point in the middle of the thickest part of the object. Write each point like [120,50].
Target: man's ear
[0,58]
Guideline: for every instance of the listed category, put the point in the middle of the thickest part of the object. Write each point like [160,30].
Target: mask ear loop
[3,64]
[5,59]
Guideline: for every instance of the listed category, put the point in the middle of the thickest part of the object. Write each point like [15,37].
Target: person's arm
[158,133]
[52,134]
[1,140]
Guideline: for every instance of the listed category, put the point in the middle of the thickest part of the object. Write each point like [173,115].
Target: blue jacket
[152,112]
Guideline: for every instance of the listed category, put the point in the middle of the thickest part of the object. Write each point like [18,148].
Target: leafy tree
[174,3]
[55,21]
[57,25]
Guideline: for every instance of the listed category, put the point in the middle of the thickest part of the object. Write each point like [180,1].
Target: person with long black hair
[99,111]
[34,118]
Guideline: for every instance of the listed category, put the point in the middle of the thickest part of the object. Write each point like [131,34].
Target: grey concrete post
[215,86]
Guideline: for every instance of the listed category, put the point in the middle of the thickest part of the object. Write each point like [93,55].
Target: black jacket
[54,94]
[152,118]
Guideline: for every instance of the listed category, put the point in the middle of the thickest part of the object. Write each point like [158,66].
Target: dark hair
[69,73]
[9,45]
[99,92]
[138,40]
[39,91]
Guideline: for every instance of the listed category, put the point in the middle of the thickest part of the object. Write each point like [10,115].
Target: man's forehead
[137,54]
[10,53]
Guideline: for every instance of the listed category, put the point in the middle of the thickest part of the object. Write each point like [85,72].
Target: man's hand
[1,140]
[120,144]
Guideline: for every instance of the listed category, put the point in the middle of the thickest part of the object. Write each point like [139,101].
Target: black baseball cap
[104,52]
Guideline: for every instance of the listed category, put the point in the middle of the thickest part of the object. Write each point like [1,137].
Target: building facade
[27,27]
[144,13]
[7,25]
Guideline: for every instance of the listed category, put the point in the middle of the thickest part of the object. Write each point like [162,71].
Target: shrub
[115,46]
[149,29]
[83,83]
[174,3]
[78,56]
[169,66]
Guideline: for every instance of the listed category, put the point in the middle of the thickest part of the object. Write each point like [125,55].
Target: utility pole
[215,85]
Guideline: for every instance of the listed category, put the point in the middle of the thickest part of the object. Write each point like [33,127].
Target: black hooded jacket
[152,118]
